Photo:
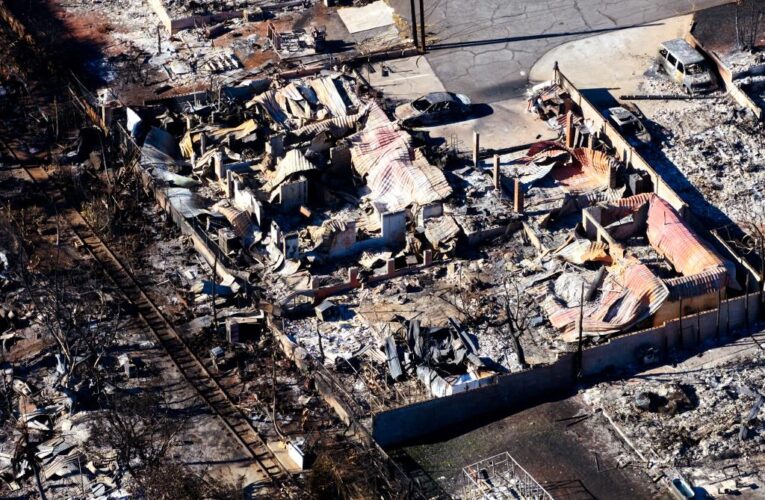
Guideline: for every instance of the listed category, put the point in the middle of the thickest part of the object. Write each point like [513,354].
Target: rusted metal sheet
[677,242]
[632,294]
[397,174]
[581,251]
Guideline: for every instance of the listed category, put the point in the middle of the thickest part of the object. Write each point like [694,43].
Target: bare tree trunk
[518,350]
[38,482]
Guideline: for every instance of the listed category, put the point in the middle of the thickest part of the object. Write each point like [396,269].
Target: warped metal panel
[341,122]
[329,96]
[633,293]
[293,162]
[397,175]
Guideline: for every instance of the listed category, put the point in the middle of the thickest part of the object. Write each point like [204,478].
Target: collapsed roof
[397,174]
[632,291]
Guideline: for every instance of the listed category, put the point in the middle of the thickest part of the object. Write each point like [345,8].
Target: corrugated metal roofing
[441,230]
[397,175]
[581,251]
[329,96]
[697,285]
[633,293]
[293,162]
[342,122]
[673,238]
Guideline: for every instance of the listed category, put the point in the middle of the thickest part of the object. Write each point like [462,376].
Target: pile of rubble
[690,418]
[720,148]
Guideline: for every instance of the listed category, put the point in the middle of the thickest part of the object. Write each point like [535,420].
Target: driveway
[486,48]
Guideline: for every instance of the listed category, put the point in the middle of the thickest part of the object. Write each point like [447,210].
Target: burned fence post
[556,73]
[517,196]
[422,27]
[321,344]
[496,173]
[746,303]
[579,372]
[476,147]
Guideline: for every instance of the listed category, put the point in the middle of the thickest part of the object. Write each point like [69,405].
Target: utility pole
[414,22]
[580,329]
[422,26]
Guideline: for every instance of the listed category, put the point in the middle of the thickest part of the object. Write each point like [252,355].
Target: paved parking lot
[486,48]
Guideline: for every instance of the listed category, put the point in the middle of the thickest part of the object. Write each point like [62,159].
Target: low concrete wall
[508,392]
[688,333]
[183,23]
[520,390]
[625,152]
[738,94]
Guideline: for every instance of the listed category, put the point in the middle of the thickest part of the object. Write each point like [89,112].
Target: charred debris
[403,266]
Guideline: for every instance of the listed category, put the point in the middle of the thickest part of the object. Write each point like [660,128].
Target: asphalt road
[486,48]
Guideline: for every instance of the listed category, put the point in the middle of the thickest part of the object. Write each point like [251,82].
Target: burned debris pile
[706,422]
[707,144]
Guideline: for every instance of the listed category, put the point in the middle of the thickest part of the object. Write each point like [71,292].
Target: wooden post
[746,302]
[476,147]
[321,345]
[422,27]
[580,328]
[496,172]
[517,196]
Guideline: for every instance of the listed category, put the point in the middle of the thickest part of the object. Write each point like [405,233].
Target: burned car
[687,66]
[433,109]
[627,119]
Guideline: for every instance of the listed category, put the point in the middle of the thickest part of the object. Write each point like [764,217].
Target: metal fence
[500,477]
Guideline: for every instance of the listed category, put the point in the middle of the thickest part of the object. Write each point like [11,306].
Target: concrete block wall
[520,390]
[516,391]
[625,152]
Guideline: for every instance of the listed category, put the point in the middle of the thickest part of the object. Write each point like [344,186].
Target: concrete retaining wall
[624,151]
[509,392]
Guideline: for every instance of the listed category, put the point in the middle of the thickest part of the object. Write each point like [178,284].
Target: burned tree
[749,20]
[74,309]
[517,306]
[173,481]
[141,428]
